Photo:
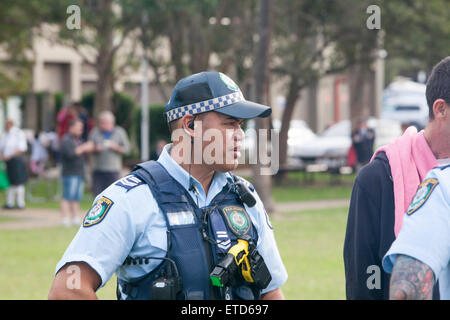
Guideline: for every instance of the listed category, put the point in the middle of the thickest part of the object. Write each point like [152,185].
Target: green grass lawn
[310,244]
[28,262]
[303,193]
[313,186]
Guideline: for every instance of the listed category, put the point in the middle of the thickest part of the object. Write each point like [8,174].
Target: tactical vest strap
[186,243]
[188,247]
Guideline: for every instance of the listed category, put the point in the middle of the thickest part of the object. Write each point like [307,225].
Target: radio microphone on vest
[244,192]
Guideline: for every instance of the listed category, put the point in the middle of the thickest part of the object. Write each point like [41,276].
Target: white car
[298,134]
[331,148]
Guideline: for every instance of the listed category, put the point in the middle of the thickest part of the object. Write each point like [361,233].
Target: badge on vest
[423,193]
[98,212]
[180,218]
[237,219]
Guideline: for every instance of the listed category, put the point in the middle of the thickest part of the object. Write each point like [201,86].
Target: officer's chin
[225,167]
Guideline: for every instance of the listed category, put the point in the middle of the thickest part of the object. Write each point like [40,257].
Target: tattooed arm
[411,280]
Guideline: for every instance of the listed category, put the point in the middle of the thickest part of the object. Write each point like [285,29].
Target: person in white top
[13,146]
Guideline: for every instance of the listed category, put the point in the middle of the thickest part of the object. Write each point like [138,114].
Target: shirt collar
[182,176]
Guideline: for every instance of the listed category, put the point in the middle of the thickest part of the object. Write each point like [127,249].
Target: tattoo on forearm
[411,280]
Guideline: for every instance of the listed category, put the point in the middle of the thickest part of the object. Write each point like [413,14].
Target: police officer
[169,224]
[420,256]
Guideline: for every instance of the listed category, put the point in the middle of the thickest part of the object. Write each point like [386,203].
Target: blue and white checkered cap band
[203,106]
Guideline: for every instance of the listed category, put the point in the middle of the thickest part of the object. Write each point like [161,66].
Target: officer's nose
[239,135]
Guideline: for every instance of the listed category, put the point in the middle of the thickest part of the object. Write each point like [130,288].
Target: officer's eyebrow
[235,119]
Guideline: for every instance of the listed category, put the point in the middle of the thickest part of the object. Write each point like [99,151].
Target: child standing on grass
[72,159]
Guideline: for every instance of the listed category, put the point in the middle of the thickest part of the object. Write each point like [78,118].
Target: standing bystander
[111,142]
[13,145]
[72,160]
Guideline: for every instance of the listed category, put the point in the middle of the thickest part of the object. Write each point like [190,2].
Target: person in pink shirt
[384,188]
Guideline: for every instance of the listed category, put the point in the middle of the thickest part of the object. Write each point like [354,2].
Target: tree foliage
[18,22]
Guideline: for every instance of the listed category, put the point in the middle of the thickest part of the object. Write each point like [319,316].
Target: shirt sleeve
[124,141]
[267,246]
[2,144]
[425,234]
[104,244]
[22,141]
[94,136]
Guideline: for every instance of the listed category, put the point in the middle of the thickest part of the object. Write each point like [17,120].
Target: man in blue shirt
[421,254]
[187,202]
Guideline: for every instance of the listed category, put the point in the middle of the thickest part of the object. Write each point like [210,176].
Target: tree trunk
[263,183]
[358,108]
[292,97]
[104,63]
[176,45]
[199,48]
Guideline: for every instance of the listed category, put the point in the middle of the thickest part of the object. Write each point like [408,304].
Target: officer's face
[222,140]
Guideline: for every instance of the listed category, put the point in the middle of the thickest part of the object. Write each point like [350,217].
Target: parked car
[405,101]
[331,148]
[298,133]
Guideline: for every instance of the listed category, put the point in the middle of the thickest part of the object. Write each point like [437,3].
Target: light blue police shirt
[134,226]
[425,233]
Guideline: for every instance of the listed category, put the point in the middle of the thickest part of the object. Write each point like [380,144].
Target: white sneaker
[75,221]
[65,222]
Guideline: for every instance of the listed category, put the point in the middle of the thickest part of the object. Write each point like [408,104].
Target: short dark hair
[73,122]
[438,84]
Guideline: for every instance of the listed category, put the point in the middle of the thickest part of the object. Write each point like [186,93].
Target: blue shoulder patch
[129,182]
[98,212]
[423,193]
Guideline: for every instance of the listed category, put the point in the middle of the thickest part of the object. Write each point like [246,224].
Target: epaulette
[129,182]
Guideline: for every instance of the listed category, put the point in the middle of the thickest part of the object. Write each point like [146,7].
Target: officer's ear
[440,109]
[187,123]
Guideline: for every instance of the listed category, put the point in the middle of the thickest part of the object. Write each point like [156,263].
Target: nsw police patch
[237,219]
[423,193]
[228,82]
[98,212]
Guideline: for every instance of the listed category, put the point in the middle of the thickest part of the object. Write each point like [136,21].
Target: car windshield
[407,108]
[404,101]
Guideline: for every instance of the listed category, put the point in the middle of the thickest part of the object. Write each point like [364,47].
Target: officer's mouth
[237,151]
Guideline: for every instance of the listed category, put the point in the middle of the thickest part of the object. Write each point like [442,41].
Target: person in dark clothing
[369,237]
[83,115]
[158,149]
[384,188]
[363,139]
[72,159]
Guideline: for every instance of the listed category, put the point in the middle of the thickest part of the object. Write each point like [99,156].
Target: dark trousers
[16,171]
[102,180]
